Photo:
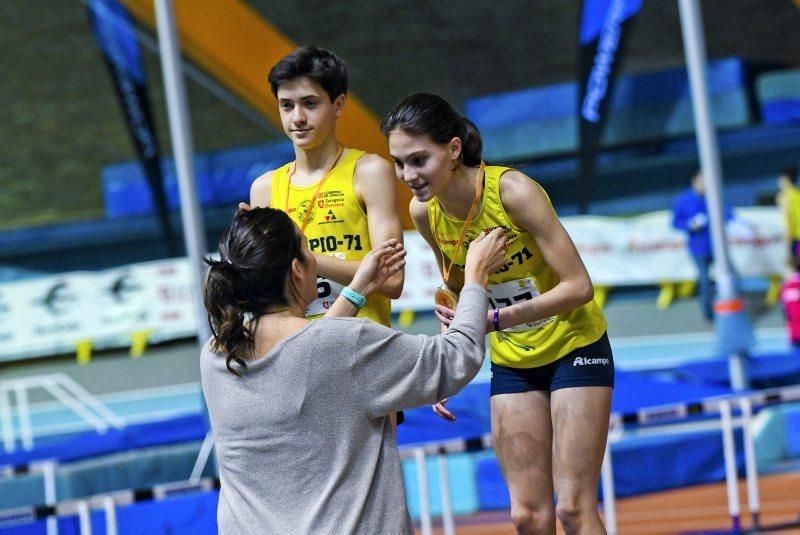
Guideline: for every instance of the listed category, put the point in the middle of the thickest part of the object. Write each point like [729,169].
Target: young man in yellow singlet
[342,198]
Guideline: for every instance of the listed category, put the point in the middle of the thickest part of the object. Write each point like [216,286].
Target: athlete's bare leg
[580,426]
[522,437]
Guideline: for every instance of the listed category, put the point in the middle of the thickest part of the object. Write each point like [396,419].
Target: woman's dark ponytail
[249,280]
[431,115]
[226,316]
[471,144]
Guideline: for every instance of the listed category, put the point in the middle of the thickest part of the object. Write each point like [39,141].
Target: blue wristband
[354,297]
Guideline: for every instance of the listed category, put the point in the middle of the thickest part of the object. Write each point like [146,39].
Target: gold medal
[446,297]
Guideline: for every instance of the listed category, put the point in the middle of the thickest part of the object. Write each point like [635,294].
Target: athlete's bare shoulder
[370,165]
[525,201]
[512,178]
[374,183]
[516,188]
[419,212]
[261,190]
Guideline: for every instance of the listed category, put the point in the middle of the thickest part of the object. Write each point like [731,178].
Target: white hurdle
[609,496]
[202,457]
[84,518]
[448,522]
[655,416]
[107,503]
[47,468]
[110,509]
[729,453]
[65,390]
[426,523]
[750,466]
[49,478]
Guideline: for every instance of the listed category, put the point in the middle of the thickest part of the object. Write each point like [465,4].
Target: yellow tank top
[337,227]
[792,201]
[524,276]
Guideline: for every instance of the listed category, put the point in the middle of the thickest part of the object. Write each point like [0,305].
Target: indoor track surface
[700,509]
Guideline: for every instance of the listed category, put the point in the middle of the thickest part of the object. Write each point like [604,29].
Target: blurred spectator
[689,213]
[788,200]
[790,299]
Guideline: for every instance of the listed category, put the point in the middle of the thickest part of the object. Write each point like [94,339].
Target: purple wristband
[496,319]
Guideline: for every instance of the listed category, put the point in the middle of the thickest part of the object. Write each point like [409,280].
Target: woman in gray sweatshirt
[299,409]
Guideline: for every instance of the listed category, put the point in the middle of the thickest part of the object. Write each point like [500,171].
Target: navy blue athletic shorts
[591,365]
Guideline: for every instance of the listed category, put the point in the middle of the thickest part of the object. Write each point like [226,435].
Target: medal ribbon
[470,216]
[316,192]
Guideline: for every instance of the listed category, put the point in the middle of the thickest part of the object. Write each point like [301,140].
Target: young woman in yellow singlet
[552,367]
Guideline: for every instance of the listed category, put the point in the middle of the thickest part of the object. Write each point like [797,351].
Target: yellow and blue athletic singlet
[792,210]
[524,276]
[337,227]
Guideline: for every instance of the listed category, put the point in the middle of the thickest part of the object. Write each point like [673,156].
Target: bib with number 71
[509,293]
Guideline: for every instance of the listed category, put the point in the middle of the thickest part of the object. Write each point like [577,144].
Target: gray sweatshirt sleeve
[395,371]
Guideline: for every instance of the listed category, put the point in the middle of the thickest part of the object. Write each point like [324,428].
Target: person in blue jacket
[690,214]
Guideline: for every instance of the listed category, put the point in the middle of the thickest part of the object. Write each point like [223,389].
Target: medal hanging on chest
[444,295]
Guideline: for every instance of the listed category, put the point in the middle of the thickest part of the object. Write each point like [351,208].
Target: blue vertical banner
[604,27]
[116,38]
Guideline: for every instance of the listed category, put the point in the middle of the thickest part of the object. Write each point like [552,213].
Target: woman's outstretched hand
[485,255]
[444,314]
[377,266]
[443,412]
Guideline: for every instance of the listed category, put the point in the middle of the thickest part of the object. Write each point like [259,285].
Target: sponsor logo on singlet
[585,361]
[300,212]
[470,235]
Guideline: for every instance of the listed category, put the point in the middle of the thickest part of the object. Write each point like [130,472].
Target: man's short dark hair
[323,66]
[790,173]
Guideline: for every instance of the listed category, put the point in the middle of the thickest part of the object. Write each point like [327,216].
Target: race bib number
[327,292]
[509,293]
